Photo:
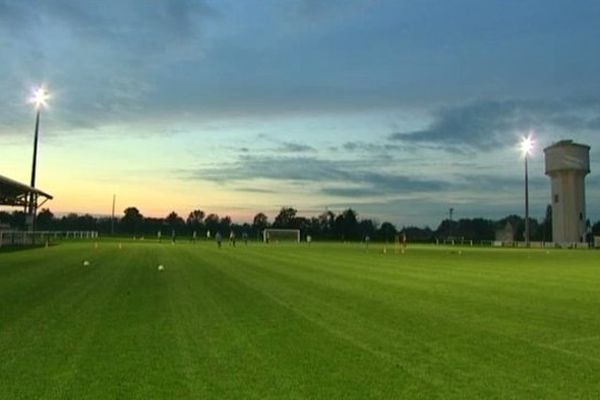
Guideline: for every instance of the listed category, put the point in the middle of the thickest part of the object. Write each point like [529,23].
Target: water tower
[567,164]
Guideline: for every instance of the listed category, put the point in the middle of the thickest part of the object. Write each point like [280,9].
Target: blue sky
[399,109]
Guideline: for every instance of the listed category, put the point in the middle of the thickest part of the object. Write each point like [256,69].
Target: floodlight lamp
[39,97]
[527,145]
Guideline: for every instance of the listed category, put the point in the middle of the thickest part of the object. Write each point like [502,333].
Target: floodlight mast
[39,99]
[526,148]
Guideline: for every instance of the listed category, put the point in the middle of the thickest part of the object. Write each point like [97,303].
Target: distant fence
[25,238]
[539,245]
[545,245]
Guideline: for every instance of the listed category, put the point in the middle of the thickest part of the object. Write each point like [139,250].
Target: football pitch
[288,321]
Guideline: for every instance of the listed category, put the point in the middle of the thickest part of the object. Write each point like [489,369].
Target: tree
[327,223]
[596,228]
[475,229]
[387,231]
[547,225]
[103,224]
[44,219]
[17,219]
[447,228]
[195,219]
[69,222]
[86,222]
[260,222]
[132,220]
[314,227]
[212,223]
[346,225]
[225,224]
[246,228]
[301,223]
[174,221]
[285,218]
[5,218]
[415,234]
[367,228]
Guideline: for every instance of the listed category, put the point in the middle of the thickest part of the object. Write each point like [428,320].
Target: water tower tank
[567,164]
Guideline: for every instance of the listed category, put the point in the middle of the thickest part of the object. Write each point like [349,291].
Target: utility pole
[450,212]
[112,218]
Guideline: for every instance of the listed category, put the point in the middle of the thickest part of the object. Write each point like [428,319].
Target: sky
[400,109]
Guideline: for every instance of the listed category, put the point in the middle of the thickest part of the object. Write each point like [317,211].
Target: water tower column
[567,164]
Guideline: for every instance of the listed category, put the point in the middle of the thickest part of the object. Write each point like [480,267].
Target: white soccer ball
[86,263]
[161,267]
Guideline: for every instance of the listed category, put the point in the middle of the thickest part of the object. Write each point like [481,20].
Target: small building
[16,194]
[505,234]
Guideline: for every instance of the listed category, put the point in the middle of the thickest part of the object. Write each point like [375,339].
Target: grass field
[288,321]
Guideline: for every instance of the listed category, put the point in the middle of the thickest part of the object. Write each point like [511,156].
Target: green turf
[288,321]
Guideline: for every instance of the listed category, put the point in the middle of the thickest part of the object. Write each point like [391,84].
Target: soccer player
[232,238]
[219,239]
[245,237]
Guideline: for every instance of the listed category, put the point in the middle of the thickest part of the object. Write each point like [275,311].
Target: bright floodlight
[527,145]
[39,97]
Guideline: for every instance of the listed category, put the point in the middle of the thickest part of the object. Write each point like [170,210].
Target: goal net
[276,235]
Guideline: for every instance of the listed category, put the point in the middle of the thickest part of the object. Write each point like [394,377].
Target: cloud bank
[489,125]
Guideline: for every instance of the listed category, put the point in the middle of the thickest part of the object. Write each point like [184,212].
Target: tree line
[345,225]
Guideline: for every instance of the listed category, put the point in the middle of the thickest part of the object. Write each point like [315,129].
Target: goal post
[289,235]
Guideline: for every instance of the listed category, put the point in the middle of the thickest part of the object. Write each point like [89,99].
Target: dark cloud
[336,178]
[290,147]
[317,10]
[499,183]
[102,60]
[255,190]
[351,146]
[127,61]
[275,168]
[373,184]
[370,147]
[594,124]
[111,18]
[488,125]
[13,15]
[350,192]
[395,196]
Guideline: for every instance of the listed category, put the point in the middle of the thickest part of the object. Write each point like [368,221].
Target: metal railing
[27,238]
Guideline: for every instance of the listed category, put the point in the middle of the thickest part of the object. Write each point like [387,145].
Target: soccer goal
[280,235]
